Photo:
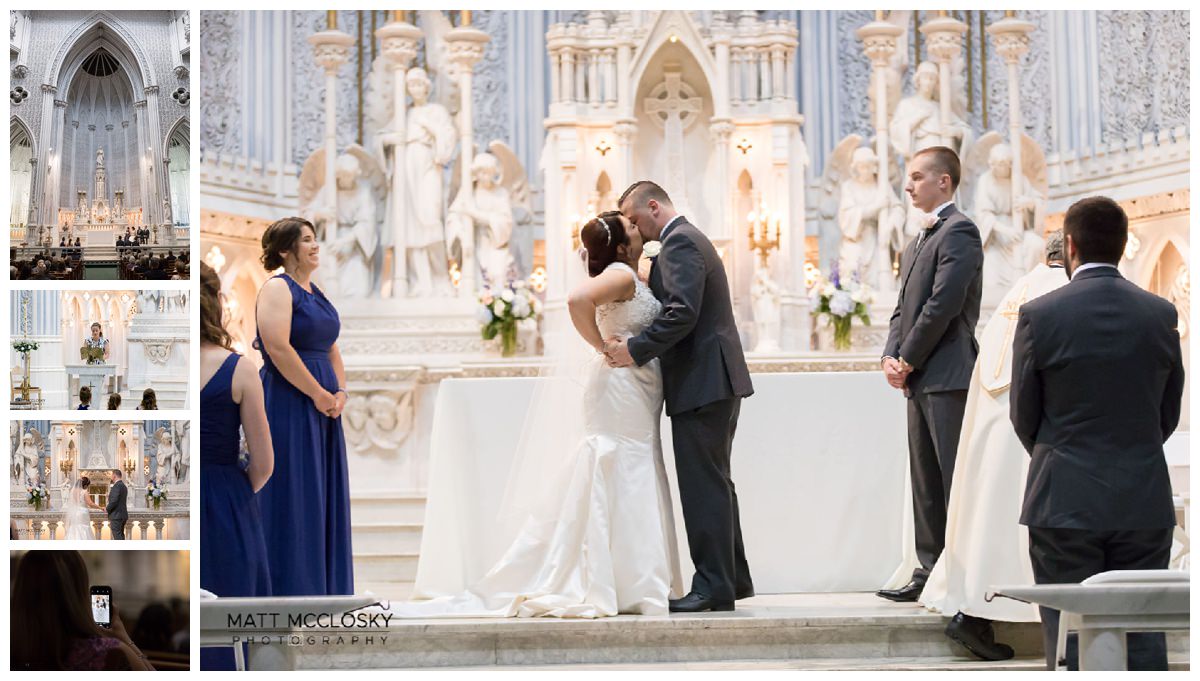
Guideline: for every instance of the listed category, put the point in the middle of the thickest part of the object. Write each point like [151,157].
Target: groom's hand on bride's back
[617,353]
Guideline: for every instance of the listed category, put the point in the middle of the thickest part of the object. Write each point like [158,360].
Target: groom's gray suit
[704,379]
[117,513]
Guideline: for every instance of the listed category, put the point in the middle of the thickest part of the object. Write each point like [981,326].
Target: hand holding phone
[102,605]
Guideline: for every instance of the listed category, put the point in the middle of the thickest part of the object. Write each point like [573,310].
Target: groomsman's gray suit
[117,513]
[1096,390]
[933,329]
[704,379]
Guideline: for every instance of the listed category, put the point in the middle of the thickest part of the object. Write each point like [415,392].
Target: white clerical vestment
[985,544]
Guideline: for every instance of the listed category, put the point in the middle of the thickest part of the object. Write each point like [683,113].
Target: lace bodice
[628,318]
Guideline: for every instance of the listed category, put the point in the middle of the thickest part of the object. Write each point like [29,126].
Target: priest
[985,545]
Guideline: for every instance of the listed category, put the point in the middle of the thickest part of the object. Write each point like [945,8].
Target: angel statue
[869,217]
[767,296]
[483,215]
[1009,250]
[165,455]
[430,141]
[27,457]
[352,224]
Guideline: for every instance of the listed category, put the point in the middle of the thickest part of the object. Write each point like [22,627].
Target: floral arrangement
[839,305]
[501,309]
[155,494]
[38,495]
[24,347]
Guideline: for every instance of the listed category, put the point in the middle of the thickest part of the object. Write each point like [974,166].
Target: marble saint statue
[26,460]
[766,297]
[430,141]
[165,455]
[485,213]
[868,217]
[1007,247]
[357,229]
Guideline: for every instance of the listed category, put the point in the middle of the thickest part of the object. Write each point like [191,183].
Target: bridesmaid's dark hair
[50,609]
[114,401]
[212,324]
[150,398]
[601,236]
[85,395]
[281,237]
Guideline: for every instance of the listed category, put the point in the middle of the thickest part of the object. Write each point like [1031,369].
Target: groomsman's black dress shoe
[977,635]
[695,602]
[908,593]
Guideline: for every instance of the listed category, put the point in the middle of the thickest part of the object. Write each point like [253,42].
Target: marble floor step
[384,537]
[927,664]
[388,507]
[386,566]
[805,627]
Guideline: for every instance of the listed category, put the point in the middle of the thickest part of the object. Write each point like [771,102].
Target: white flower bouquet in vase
[838,303]
[500,310]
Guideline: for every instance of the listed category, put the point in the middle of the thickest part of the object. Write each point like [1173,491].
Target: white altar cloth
[819,463]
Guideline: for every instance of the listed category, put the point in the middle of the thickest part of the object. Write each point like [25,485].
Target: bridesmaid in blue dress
[233,553]
[306,505]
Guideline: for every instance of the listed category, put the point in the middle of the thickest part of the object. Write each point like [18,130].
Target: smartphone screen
[102,605]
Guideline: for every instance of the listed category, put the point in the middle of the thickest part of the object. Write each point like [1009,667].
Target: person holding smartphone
[54,619]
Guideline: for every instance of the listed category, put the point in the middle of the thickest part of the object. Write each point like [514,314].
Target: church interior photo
[91,350]
[99,141]
[450,158]
[54,455]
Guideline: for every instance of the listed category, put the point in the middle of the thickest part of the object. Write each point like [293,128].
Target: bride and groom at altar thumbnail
[280,525]
[78,505]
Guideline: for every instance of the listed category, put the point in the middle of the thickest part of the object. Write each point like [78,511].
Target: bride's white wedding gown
[610,547]
[76,520]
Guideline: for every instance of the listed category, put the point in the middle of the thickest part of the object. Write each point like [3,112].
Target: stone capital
[331,49]
[943,35]
[398,41]
[1011,38]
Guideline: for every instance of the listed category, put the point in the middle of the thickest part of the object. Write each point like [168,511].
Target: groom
[117,513]
[704,380]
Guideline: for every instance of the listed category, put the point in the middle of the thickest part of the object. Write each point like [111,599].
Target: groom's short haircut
[117,473]
[642,191]
[944,162]
[1099,229]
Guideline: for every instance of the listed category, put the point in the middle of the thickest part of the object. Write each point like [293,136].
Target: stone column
[721,131]
[143,161]
[331,49]
[466,50]
[1011,37]
[45,139]
[625,43]
[879,44]
[568,74]
[126,184]
[778,84]
[944,34]
[625,131]
[153,148]
[60,122]
[399,44]
[75,166]
[34,184]
[609,70]
[555,76]
[722,38]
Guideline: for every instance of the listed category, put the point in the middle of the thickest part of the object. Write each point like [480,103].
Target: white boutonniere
[929,220]
[652,248]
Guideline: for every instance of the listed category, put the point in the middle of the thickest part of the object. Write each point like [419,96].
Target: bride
[587,498]
[76,518]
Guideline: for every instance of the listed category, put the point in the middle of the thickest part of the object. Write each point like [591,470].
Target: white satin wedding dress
[605,542]
[76,519]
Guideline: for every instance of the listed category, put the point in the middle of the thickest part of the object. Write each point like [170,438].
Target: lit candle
[331,19]
[465,17]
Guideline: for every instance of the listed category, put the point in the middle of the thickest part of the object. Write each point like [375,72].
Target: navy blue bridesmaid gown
[233,553]
[306,505]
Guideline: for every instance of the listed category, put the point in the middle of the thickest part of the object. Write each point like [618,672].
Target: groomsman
[931,347]
[1096,389]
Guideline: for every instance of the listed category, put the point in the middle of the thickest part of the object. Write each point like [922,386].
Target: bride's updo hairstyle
[601,236]
[84,482]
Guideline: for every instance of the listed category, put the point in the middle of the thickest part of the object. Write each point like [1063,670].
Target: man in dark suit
[118,494]
[1096,389]
[931,348]
[704,380]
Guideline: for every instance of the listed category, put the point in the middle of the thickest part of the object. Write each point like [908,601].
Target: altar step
[386,536]
[170,393]
[793,631]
